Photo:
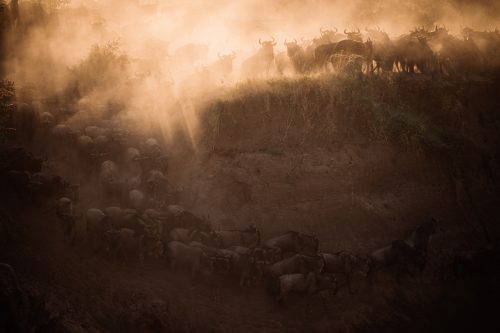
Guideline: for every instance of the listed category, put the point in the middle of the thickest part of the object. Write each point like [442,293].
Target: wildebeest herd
[130,213]
[144,223]
[427,51]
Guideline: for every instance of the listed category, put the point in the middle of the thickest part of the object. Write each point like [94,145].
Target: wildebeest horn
[260,42]
[358,30]
[378,28]
[345,31]
[336,30]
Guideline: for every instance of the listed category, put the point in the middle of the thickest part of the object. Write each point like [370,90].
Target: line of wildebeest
[133,214]
[419,51]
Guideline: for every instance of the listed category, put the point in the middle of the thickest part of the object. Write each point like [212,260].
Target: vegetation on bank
[413,112]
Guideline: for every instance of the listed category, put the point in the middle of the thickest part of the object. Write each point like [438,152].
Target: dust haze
[251,165]
[151,81]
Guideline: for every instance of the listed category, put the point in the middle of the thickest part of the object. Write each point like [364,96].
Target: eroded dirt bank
[359,162]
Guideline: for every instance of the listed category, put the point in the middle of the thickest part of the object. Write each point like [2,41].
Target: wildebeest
[158,184]
[353,51]
[301,61]
[123,244]
[97,224]
[189,257]
[45,185]
[412,51]
[237,263]
[327,36]
[248,237]
[306,284]
[222,69]
[346,264]
[64,211]
[181,235]
[383,49]
[119,218]
[398,258]
[296,242]
[284,65]
[136,198]
[260,63]
[323,54]
[298,263]
[354,35]
[487,43]
[109,178]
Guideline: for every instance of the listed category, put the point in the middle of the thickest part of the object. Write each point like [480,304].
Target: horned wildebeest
[124,218]
[383,49]
[222,69]
[354,35]
[347,49]
[294,242]
[414,52]
[306,284]
[455,56]
[13,301]
[260,63]
[64,211]
[298,57]
[109,179]
[237,263]
[487,43]
[327,36]
[189,257]
[283,63]
[323,54]
[346,264]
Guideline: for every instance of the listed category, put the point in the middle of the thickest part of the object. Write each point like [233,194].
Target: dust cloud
[150,58]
